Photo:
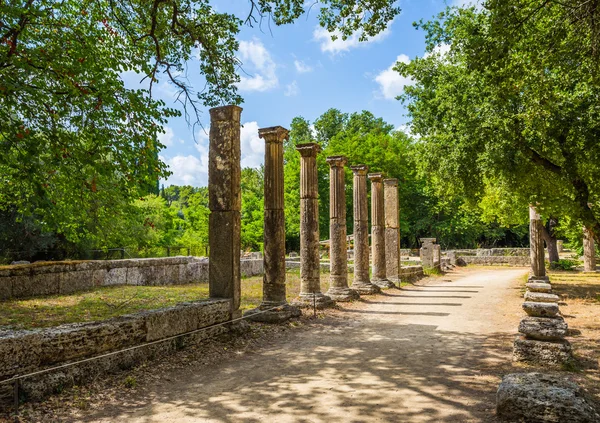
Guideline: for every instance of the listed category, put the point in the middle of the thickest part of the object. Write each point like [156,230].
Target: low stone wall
[493,260]
[26,351]
[36,279]
[485,252]
[411,273]
[325,266]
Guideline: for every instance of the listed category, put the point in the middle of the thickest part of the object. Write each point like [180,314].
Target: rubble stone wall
[50,278]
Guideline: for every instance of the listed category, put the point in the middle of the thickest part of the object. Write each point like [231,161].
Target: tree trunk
[550,239]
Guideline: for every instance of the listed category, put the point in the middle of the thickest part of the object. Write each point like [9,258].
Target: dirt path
[432,352]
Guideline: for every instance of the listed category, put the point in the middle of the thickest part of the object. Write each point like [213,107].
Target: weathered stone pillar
[379,277]
[536,245]
[362,283]
[338,255]
[392,229]
[224,194]
[274,233]
[589,251]
[427,253]
[310,266]
[437,256]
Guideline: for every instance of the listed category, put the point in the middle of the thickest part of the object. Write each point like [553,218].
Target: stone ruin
[542,332]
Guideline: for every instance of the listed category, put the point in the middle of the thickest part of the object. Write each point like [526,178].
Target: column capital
[392,182]
[273,134]
[375,177]
[231,112]
[360,169]
[427,240]
[309,149]
[337,161]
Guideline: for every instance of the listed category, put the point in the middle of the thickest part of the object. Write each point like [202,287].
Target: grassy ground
[106,302]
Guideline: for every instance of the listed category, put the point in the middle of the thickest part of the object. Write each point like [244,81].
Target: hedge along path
[433,352]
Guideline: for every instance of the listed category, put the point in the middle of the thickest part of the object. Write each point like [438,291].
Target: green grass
[106,302]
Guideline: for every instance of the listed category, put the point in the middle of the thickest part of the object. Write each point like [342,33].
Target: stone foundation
[27,351]
[53,278]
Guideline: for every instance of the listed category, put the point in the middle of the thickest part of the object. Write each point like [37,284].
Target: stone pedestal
[427,253]
[224,194]
[310,268]
[274,307]
[437,256]
[379,274]
[338,255]
[362,282]
[589,251]
[392,229]
[536,242]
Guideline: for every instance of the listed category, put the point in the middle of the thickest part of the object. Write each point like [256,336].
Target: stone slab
[538,397]
[541,297]
[538,309]
[539,287]
[544,328]
[554,353]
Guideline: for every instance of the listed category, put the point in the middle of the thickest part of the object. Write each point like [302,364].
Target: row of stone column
[225,223]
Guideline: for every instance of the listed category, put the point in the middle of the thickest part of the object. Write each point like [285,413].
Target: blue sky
[296,70]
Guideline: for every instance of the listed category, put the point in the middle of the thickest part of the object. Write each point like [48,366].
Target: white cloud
[291,89]
[257,61]
[168,138]
[253,148]
[302,67]
[187,170]
[322,36]
[391,83]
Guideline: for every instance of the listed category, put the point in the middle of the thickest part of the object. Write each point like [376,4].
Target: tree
[66,117]
[512,107]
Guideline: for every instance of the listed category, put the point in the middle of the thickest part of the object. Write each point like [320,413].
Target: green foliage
[565,264]
[509,116]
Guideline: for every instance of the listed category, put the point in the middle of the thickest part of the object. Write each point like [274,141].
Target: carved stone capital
[273,134]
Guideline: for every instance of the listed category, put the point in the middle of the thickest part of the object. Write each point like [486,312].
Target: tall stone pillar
[427,253]
[536,245]
[310,266]
[274,307]
[338,255]
[362,283]
[589,251]
[379,277]
[392,229]
[224,198]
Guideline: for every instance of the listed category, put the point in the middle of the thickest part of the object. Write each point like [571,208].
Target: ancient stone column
[338,255]
[536,245]
[427,253]
[274,307]
[362,283]
[589,251]
[379,275]
[310,266]
[224,198]
[437,256]
[392,229]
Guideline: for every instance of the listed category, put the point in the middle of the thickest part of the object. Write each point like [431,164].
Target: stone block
[185,317]
[76,281]
[99,277]
[541,297]
[135,276]
[539,287]
[532,351]
[116,276]
[544,328]
[34,285]
[539,397]
[20,352]
[6,283]
[540,309]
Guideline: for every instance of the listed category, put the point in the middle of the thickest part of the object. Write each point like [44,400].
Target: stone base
[541,297]
[342,294]
[544,328]
[383,283]
[538,397]
[540,279]
[366,288]
[278,315]
[319,300]
[536,309]
[531,351]
[539,287]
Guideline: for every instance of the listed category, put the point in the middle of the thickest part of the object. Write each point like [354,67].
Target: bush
[564,264]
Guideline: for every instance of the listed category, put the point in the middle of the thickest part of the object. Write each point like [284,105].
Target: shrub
[564,264]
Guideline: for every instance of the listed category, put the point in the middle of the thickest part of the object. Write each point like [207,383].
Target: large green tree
[511,110]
